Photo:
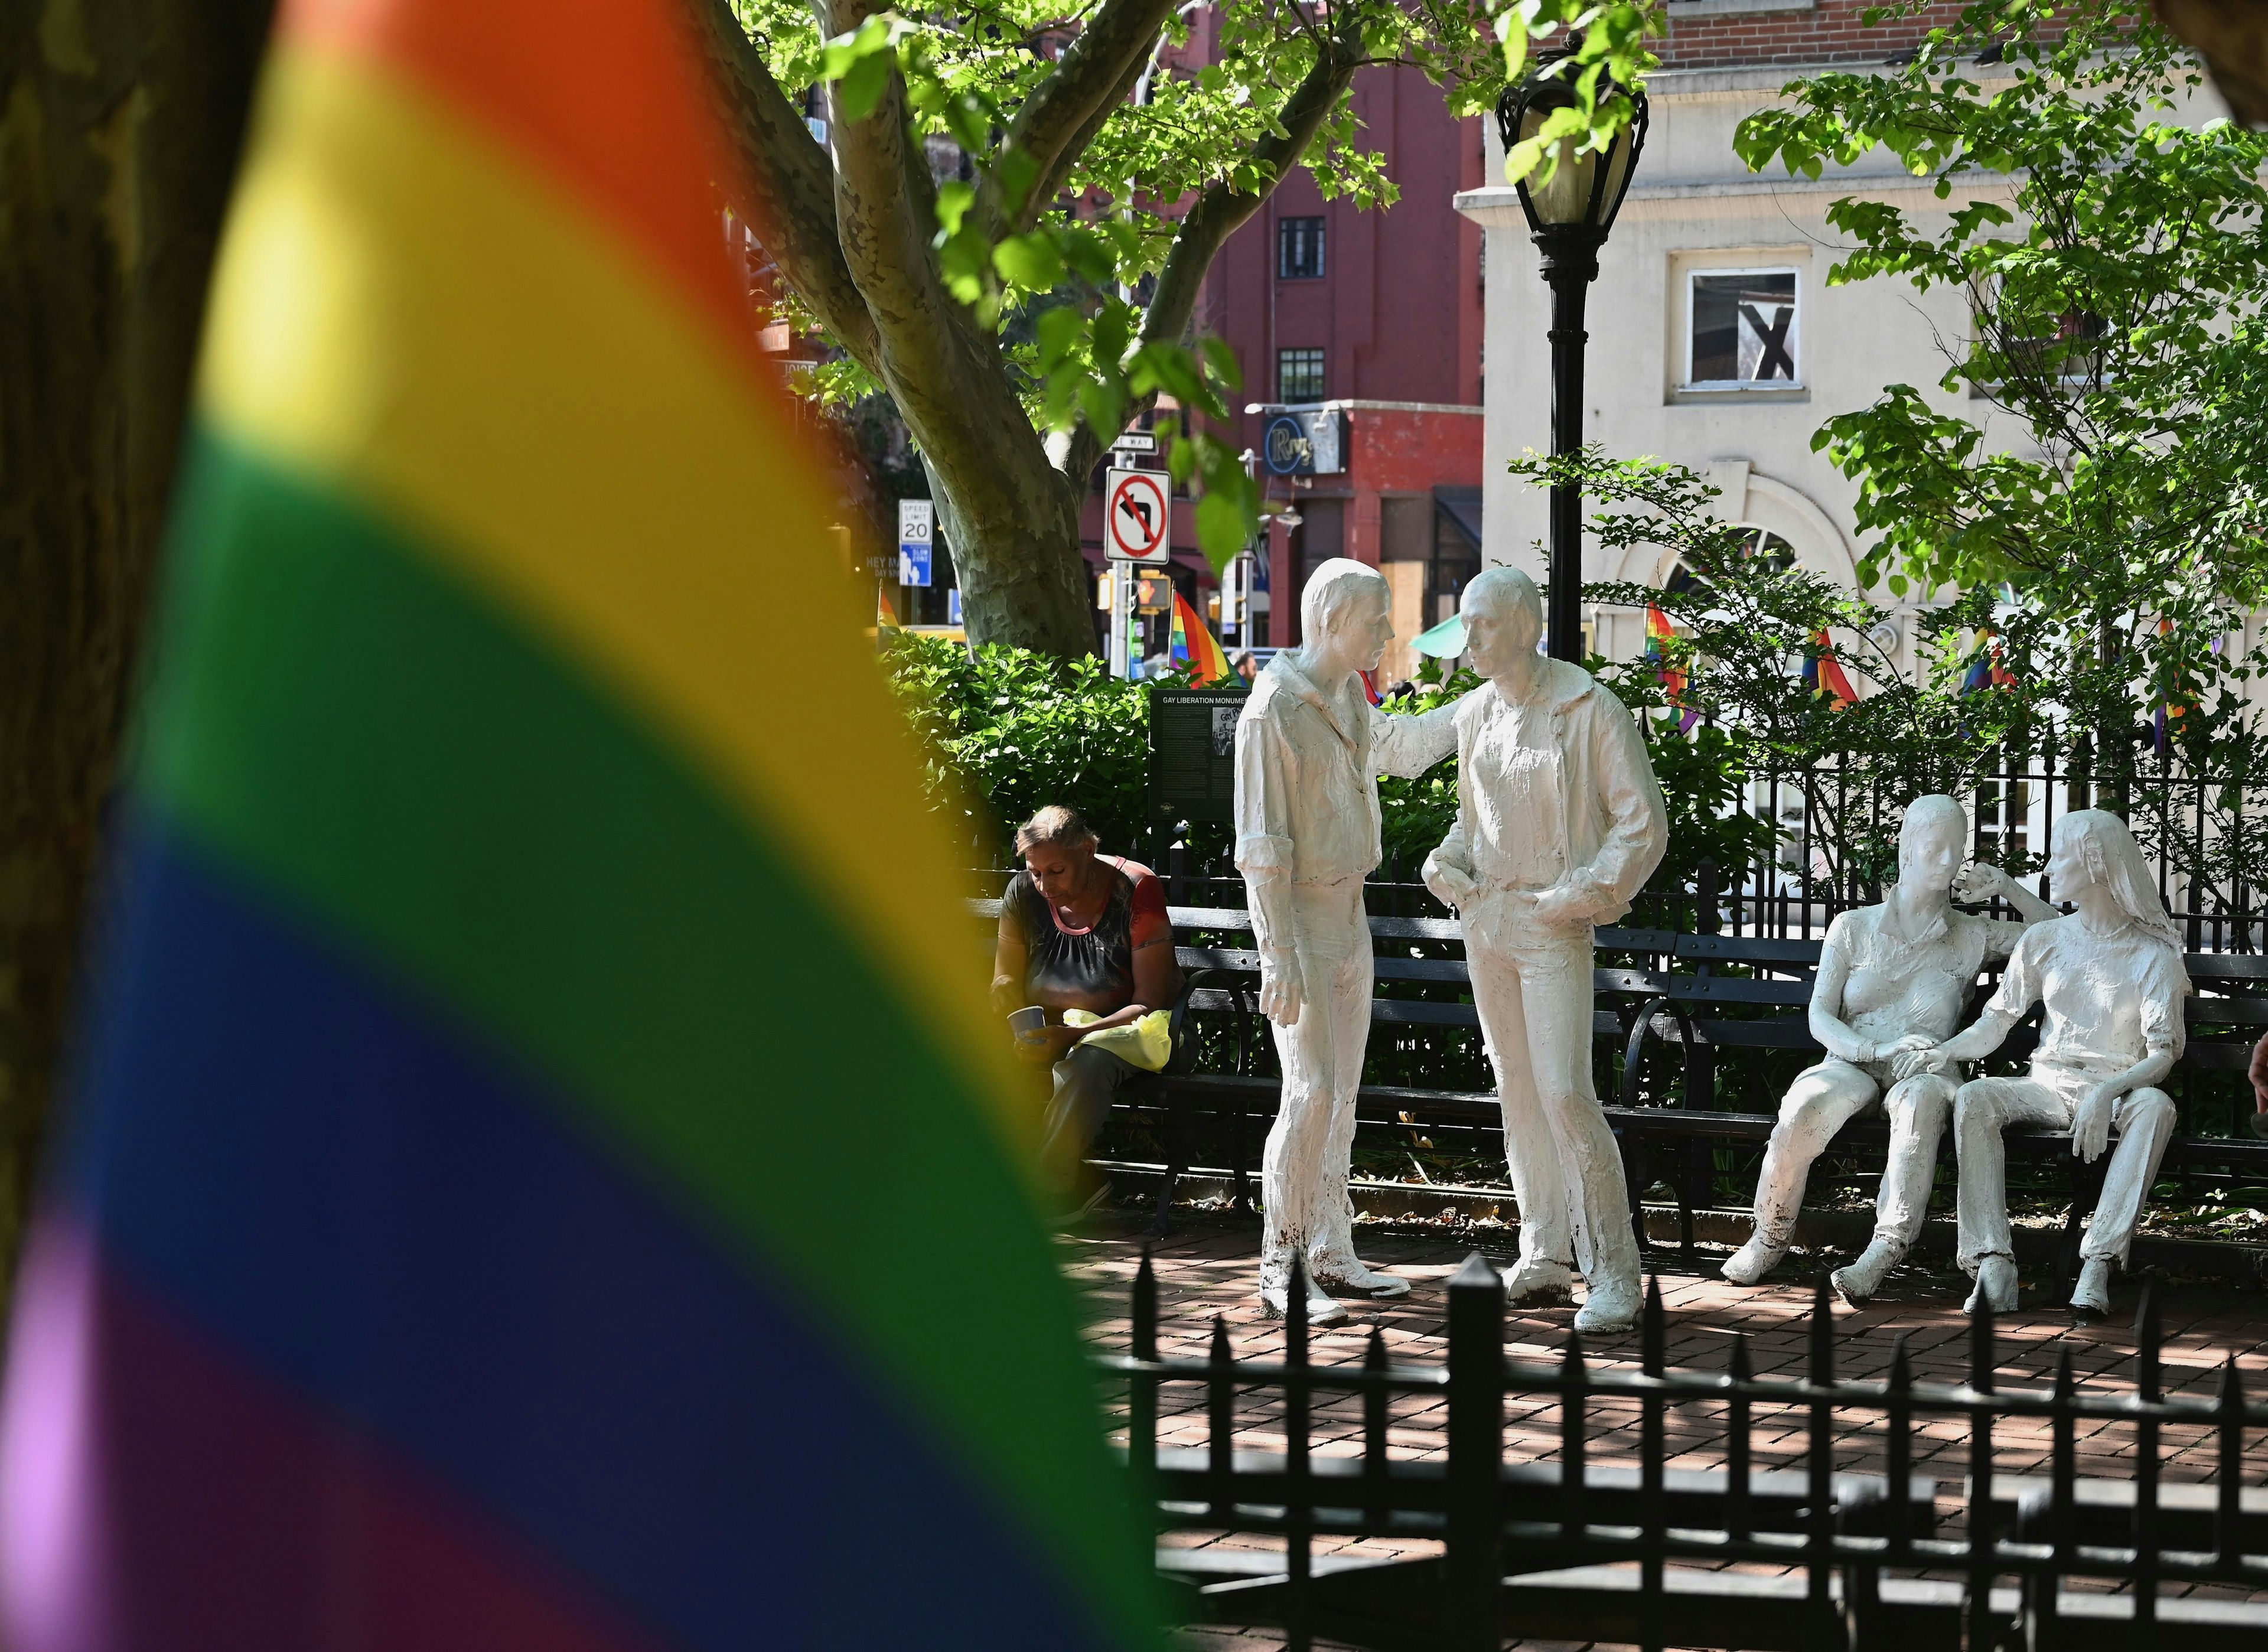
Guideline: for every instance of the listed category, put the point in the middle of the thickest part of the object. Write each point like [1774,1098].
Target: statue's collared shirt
[1306,770]
[1590,815]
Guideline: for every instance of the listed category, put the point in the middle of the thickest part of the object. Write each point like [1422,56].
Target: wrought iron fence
[2205,835]
[1726,1556]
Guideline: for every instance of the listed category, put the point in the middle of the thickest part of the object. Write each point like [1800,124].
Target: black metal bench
[1677,999]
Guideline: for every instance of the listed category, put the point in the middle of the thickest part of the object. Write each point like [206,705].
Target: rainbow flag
[1192,644]
[1987,670]
[1823,674]
[2169,710]
[1658,634]
[529,1183]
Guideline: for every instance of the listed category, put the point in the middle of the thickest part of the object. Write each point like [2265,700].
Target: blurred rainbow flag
[1192,644]
[538,1177]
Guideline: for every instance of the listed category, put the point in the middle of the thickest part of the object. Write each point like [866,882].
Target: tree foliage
[1008,226]
[2108,244]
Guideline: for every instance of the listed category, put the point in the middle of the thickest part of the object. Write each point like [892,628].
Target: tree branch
[793,181]
[1064,111]
[1222,209]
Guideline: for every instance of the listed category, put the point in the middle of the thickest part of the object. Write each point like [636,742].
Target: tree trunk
[1016,553]
[118,141]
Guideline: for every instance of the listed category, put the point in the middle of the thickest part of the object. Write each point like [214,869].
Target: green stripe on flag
[427,782]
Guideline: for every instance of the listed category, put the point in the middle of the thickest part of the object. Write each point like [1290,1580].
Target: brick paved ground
[1207,1268]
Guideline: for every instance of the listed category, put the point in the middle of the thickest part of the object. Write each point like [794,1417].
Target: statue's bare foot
[1321,1309]
[1996,1287]
[1347,1273]
[1752,1261]
[1539,1282]
[2090,1300]
[1858,1283]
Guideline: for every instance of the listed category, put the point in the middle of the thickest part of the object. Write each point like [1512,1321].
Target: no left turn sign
[1136,519]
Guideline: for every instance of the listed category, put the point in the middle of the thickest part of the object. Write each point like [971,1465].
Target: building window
[1298,375]
[1744,329]
[1299,249]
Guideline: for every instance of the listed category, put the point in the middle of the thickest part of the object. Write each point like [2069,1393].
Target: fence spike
[1572,1435]
[1373,1432]
[2063,1470]
[1898,1466]
[1983,1536]
[1983,1358]
[1650,1331]
[1736,1442]
[2147,1334]
[1221,1421]
[1822,1332]
[1295,1312]
[1146,1307]
[1818,1451]
[2231,1549]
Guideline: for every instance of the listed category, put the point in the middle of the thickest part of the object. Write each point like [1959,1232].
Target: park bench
[1675,997]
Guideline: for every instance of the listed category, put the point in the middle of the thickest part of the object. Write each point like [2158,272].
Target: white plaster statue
[1559,822]
[1309,750]
[1893,981]
[2112,979]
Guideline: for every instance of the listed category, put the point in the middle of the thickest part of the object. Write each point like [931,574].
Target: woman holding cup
[1086,933]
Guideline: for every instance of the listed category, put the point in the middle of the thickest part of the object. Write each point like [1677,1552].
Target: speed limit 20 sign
[1136,517]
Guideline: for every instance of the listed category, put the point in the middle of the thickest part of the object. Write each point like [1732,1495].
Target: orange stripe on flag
[605,94]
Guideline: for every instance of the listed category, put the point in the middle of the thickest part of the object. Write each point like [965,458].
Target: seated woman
[1080,931]
[2111,981]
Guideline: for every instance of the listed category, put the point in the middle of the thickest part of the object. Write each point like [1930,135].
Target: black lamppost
[1569,217]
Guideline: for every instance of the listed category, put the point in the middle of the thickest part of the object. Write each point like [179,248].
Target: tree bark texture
[119,126]
[853,234]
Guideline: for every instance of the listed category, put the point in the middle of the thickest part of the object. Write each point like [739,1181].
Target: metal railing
[1726,1556]
[2205,836]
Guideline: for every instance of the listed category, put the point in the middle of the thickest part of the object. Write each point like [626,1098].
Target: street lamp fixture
[1569,215]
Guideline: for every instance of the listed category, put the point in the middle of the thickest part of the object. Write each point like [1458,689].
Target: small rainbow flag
[529,1185]
[1658,634]
[1823,674]
[2169,710]
[1987,670]
[1193,646]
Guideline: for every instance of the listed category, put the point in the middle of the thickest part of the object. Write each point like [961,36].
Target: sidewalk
[1207,1267]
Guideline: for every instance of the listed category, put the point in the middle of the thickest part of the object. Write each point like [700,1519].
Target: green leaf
[1224,528]
[1029,261]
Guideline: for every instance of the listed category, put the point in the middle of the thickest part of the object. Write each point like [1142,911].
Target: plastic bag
[1148,1044]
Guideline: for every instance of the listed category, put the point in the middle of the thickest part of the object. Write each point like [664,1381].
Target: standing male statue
[2111,980]
[1893,981]
[1559,822]
[1309,750]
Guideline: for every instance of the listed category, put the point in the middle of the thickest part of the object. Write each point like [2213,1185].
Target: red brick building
[1375,316]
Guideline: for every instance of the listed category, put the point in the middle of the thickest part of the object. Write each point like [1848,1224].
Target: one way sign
[1136,520]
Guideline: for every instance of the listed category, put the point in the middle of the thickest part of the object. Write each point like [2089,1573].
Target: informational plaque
[1193,753]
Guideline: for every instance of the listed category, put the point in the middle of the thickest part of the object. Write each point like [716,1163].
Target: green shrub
[1009,731]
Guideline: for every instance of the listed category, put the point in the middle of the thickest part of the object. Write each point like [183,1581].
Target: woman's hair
[2128,875]
[1057,824]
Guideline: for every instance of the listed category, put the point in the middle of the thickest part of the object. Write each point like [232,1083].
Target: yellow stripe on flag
[554,425]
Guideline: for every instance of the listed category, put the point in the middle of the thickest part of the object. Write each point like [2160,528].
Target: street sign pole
[1122,600]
